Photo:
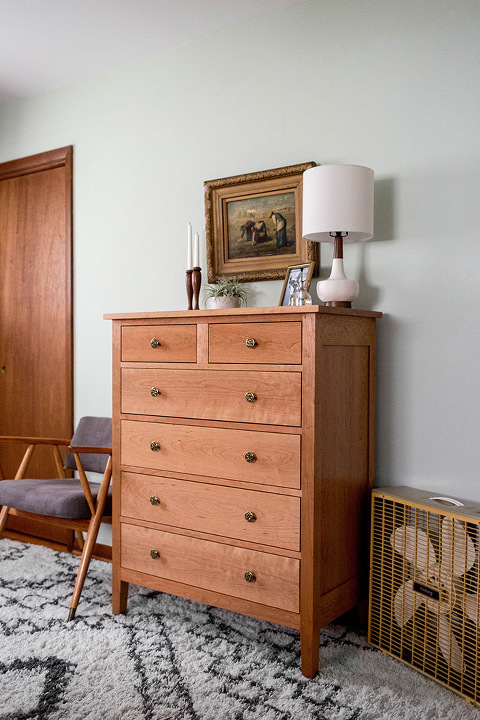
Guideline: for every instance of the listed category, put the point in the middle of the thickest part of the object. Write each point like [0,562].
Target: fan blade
[406,603]
[458,550]
[414,545]
[448,645]
[471,608]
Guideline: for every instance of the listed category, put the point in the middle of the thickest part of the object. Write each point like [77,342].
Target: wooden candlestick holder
[196,283]
[188,285]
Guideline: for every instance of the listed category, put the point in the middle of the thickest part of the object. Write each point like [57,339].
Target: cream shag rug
[171,659]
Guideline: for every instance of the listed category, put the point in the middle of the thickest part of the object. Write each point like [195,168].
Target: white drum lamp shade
[338,207]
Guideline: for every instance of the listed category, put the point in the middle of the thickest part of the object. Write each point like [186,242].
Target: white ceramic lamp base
[338,289]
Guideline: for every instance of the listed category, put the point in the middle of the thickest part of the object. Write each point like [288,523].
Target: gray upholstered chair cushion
[96,432]
[58,498]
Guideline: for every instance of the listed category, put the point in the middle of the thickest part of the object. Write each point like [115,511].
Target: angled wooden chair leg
[87,552]
[3,518]
[90,539]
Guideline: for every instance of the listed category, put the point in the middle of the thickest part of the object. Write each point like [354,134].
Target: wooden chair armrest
[35,440]
[89,449]
[32,443]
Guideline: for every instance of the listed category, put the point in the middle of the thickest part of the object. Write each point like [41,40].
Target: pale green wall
[390,84]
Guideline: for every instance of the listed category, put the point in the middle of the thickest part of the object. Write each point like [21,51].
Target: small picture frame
[294,273]
[254,225]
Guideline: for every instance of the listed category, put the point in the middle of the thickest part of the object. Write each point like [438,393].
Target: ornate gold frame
[254,185]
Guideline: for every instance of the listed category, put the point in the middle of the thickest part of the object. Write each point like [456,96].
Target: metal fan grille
[424,596]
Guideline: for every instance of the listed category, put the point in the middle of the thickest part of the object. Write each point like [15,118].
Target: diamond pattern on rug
[171,659]
[33,686]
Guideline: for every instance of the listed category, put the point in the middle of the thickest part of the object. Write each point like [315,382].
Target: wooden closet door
[36,374]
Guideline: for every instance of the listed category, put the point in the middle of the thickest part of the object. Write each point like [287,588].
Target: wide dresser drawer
[246,455]
[249,574]
[274,343]
[239,396]
[159,343]
[260,517]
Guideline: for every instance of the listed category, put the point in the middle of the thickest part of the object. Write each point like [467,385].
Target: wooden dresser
[243,457]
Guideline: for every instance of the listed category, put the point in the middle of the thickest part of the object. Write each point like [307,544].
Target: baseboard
[101,552]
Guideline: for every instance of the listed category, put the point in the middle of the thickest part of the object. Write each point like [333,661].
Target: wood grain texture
[176,343]
[344,459]
[275,343]
[272,549]
[202,343]
[215,599]
[221,481]
[199,474]
[36,378]
[215,510]
[311,515]
[254,314]
[61,157]
[260,427]
[212,566]
[213,451]
[214,395]
[351,331]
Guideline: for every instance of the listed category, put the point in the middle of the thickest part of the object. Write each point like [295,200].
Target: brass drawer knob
[154,500]
[251,342]
[250,457]
[154,554]
[250,397]
[154,343]
[155,392]
[154,446]
[250,516]
[250,576]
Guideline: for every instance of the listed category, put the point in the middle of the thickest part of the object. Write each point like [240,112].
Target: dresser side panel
[344,457]
[310,617]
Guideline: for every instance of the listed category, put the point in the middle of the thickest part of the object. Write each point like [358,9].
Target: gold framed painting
[254,225]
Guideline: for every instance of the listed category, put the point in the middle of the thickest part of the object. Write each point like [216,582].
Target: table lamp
[338,208]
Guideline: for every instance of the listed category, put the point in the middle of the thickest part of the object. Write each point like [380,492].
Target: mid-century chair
[65,501]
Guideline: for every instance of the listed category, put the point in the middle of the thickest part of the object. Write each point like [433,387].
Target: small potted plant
[226,293]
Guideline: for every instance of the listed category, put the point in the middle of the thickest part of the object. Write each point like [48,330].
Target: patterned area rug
[170,659]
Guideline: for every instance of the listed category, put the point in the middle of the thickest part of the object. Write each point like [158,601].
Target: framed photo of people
[254,225]
[294,275]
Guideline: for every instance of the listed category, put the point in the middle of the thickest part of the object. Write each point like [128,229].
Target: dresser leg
[119,597]
[310,647]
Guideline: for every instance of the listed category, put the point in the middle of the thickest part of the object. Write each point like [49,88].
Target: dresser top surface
[266,311]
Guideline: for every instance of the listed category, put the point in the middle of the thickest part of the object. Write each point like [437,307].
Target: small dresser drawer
[248,455]
[274,343]
[255,397]
[249,515]
[159,343]
[249,574]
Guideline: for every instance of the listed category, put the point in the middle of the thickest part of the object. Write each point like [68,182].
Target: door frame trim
[36,163]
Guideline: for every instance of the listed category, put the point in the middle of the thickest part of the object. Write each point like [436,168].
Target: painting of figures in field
[261,226]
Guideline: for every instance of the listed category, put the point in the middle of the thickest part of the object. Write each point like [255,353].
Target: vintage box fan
[424,585]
